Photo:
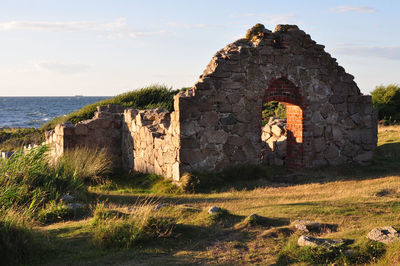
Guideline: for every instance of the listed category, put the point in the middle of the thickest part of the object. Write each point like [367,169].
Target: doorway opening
[282,134]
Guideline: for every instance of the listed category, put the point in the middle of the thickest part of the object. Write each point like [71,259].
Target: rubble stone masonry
[217,123]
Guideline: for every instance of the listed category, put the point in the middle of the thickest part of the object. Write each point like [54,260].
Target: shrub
[387,101]
[273,108]
[89,165]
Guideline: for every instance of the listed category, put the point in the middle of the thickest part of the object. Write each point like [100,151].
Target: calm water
[35,111]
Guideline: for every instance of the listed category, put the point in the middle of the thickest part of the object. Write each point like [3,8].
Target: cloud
[387,52]
[268,18]
[62,68]
[358,9]
[116,29]
[66,26]
[190,26]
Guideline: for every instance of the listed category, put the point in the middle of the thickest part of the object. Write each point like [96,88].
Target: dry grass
[356,205]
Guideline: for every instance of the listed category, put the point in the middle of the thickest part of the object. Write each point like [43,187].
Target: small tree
[387,101]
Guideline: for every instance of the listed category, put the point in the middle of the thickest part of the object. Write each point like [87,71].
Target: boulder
[306,226]
[386,234]
[214,209]
[318,242]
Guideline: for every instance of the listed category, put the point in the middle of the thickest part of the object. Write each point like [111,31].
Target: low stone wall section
[150,142]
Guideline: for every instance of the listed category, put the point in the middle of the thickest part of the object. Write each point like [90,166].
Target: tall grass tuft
[28,181]
[87,164]
[113,230]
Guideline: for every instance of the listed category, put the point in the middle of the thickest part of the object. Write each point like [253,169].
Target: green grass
[143,219]
[145,98]
[12,139]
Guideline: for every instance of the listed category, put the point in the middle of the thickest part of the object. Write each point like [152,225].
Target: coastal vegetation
[143,218]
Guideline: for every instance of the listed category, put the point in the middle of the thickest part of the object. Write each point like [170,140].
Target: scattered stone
[67,198]
[306,226]
[214,209]
[386,234]
[313,227]
[318,242]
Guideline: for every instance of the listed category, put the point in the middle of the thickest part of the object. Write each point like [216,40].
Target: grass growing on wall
[145,98]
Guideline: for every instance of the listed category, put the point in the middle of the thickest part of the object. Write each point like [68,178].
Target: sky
[104,48]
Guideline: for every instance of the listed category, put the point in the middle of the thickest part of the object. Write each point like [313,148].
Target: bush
[387,101]
[273,108]
[145,98]
[89,165]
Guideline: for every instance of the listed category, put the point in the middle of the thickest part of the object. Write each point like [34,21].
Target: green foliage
[139,183]
[12,139]
[387,101]
[18,246]
[292,253]
[363,252]
[55,212]
[29,181]
[126,231]
[273,108]
[145,98]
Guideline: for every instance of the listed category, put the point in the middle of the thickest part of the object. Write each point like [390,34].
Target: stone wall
[151,142]
[329,122]
[217,123]
[103,131]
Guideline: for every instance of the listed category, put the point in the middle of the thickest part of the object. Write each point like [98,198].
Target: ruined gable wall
[221,115]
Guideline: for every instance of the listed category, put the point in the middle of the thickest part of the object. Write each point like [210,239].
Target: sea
[32,112]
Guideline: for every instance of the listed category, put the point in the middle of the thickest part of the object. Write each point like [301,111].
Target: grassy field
[356,199]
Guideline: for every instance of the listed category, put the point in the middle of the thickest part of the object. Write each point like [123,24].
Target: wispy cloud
[116,29]
[65,26]
[62,68]
[358,9]
[269,18]
[387,52]
[190,26]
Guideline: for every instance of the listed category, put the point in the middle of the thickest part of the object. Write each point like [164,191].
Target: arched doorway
[284,91]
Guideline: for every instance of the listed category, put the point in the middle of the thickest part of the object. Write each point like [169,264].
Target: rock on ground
[318,242]
[214,209]
[386,234]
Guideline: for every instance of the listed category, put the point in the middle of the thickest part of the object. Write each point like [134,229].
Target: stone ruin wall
[151,142]
[329,122]
[144,141]
[217,123]
[103,131]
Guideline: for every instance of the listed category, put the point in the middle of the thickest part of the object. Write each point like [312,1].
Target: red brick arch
[284,91]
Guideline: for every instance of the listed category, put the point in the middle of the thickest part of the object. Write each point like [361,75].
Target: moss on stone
[255,32]
[285,27]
